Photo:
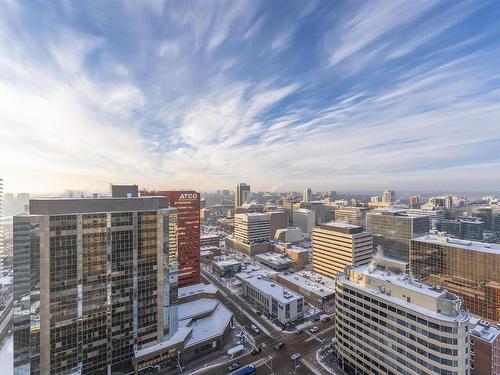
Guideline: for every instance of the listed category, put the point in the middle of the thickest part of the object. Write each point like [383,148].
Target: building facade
[352,215]
[388,324]
[188,207]
[252,228]
[242,194]
[466,268]
[337,244]
[94,280]
[485,340]
[273,299]
[393,229]
[389,196]
[306,197]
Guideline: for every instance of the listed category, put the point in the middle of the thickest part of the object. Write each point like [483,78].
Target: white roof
[484,330]
[209,327]
[178,337]
[277,258]
[273,289]
[461,244]
[341,224]
[319,285]
[196,308]
[196,289]
[226,262]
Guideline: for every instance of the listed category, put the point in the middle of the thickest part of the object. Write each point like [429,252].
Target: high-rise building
[304,219]
[94,281]
[389,196]
[386,323]
[392,229]
[352,215]
[467,268]
[486,216]
[414,201]
[242,194]
[464,227]
[277,220]
[188,207]
[306,197]
[436,215]
[252,228]
[337,244]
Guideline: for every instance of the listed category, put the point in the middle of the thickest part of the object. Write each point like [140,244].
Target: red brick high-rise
[188,207]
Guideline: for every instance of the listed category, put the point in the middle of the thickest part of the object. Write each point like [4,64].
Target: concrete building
[352,215]
[392,229]
[303,219]
[306,197]
[188,208]
[389,196]
[467,268]
[124,191]
[275,261]
[226,267]
[414,201]
[323,212]
[337,244]
[436,215]
[292,235]
[242,194]
[252,228]
[300,256]
[274,300]
[485,340]
[85,273]
[277,220]
[386,323]
[210,240]
[317,290]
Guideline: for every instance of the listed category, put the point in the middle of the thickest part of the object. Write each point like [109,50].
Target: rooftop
[319,285]
[275,258]
[196,289]
[226,262]
[273,289]
[461,244]
[196,309]
[484,330]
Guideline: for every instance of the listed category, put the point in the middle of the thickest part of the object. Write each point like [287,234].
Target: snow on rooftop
[211,326]
[278,258]
[484,330]
[461,244]
[273,289]
[178,337]
[196,308]
[319,285]
[341,224]
[196,289]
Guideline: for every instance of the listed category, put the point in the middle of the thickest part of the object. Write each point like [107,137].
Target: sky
[335,95]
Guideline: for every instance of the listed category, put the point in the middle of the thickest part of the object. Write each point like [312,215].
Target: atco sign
[188,196]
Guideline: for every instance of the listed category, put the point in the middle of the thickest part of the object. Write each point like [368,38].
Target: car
[255,328]
[279,345]
[316,319]
[295,356]
[233,366]
[326,319]
[299,331]
[256,350]
[314,329]
[259,313]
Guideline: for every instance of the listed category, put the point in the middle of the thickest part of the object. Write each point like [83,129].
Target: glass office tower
[94,280]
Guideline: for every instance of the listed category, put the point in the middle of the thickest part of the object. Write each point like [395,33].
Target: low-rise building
[318,290]
[292,235]
[273,299]
[226,267]
[276,261]
[210,240]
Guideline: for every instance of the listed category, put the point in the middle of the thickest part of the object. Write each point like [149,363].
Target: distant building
[436,215]
[485,343]
[303,219]
[389,196]
[124,191]
[337,244]
[485,214]
[414,201]
[273,299]
[306,197]
[464,227]
[252,227]
[292,235]
[323,213]
[375,199]
[392,229]
[352,215]
[386,323]
[276,261]
[242,194]
[466,268]
[278,220]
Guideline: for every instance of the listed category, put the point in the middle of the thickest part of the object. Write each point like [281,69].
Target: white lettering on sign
[188,196]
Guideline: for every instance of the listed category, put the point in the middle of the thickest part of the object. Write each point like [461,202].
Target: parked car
[279,345]
[295,356]
[256,350]
[259,313]
[314,329]
[233,366]
[326,319]
[316,319]
[255,328]
[299,331]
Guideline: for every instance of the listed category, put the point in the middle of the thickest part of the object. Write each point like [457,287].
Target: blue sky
[360,95]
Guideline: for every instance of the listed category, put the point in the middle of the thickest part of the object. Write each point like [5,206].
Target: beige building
[252,228]
[336,245]
[352,215]
[386,323]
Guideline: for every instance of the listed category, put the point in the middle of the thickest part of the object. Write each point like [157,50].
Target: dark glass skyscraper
[94,280]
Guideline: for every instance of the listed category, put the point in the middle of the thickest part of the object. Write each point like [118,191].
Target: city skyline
[349,95]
